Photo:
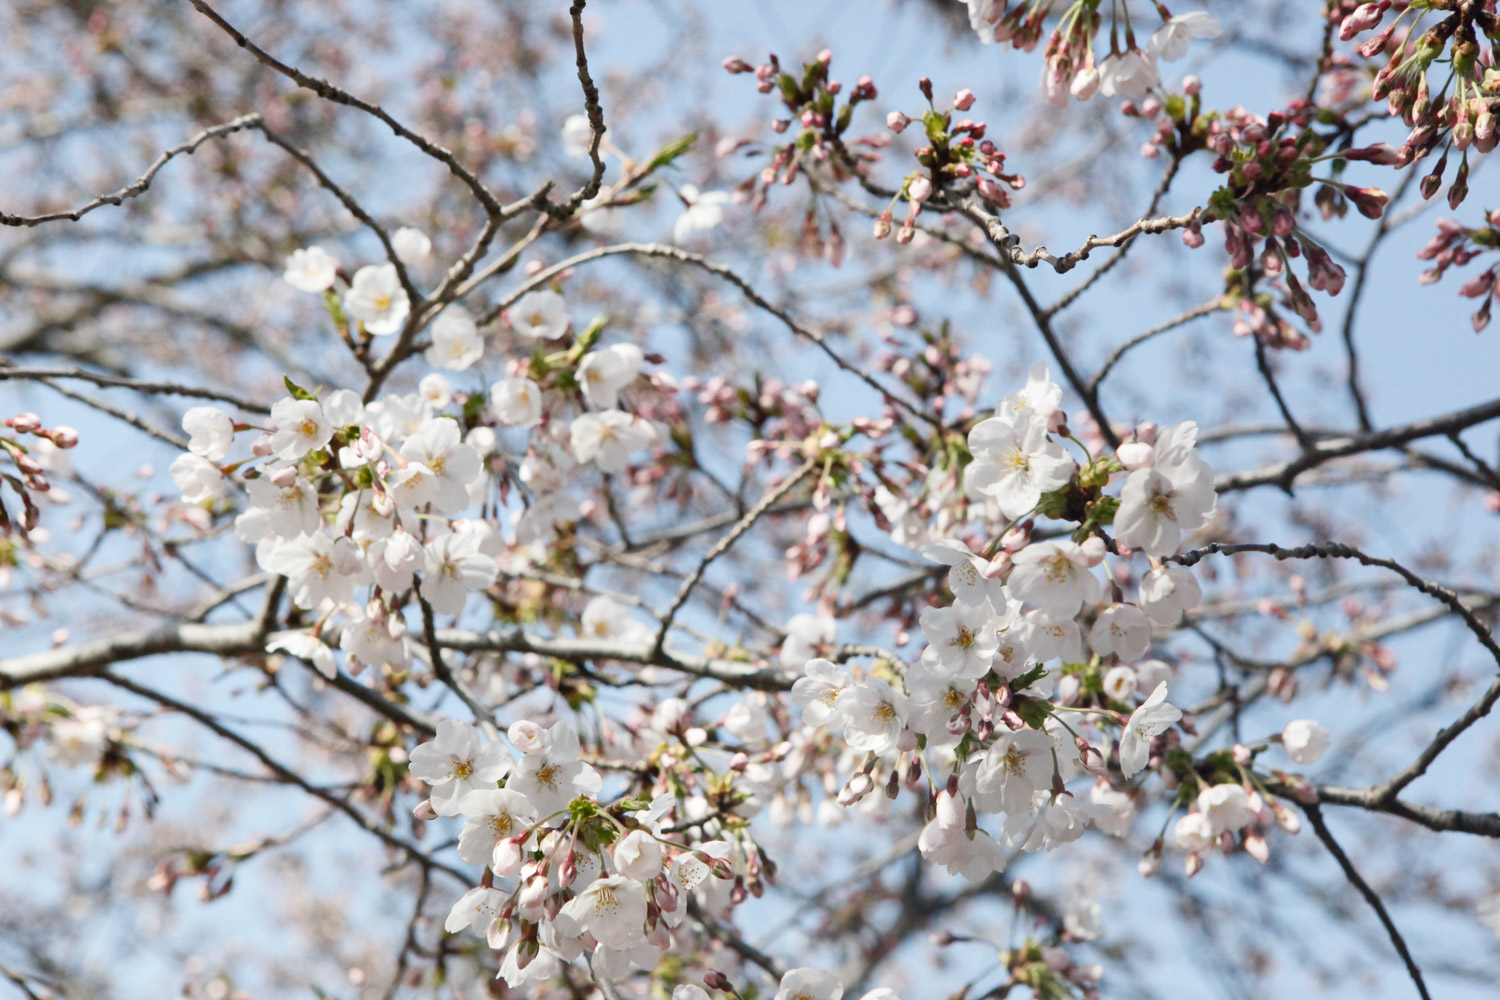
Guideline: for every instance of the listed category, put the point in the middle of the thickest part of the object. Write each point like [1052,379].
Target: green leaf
[1033,711]
[296,391]
[671,151]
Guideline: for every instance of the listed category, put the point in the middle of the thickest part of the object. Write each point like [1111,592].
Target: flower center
[547,775]
[1057,568]
[605,903]
[1014,460]
[461,768]
[884,713]
[382,302]
[964,639]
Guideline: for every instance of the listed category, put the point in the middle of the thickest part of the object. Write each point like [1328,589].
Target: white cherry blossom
[608,439]
[1172,39]
[493,815]
[1154,716]
[817,693]
[197,478]
[210,432]
[300,427]
[376,298]
[1305,741]
[293,508]
[1127,74]
[702,211]
[809,984]
[440,448]
[1194,832]
[807,636]
[1055,576]
[539,315]
[874,714]
[550,775]
[458,761]
[516,402]
[1169,592]
[1121,630]
[1015,462]
[456,343]
[612,909]
[311,270]
[603,373]
[455,566]
[1011,770]
[412,246]
[963,638]
[1226,807]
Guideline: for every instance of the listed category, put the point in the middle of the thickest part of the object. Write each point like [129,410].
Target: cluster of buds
[956,154]
[29,475]
[1268,162]
[1069,54]
[812,104]
[1019,26]
[1455,244]
[1457,120]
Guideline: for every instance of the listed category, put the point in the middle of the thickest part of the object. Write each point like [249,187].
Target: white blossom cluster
[1024,672]
[358,504]
[566,875]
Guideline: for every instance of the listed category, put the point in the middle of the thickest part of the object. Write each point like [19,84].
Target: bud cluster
[1460,119]
[1456,245]
[30,474]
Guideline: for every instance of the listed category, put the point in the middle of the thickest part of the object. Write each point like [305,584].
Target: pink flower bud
[963,100]
[284,477]
[1135,455]
[1192,86]
[919,189]
[64,437]
[25,423]
[897,122]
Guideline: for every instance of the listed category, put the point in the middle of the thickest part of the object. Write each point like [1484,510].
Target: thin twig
[139,186]
[1315,817]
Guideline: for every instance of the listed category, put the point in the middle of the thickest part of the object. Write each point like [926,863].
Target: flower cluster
[1267,162]
[1072,66]
[1455,245]
[955,151]
[30,471]
[1003,691]
[566,874]
[360,505]
[1462,118]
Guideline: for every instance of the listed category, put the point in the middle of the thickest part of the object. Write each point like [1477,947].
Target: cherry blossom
[300,427]
[211,432]
[608,439]
[1305,741]
[412,246]
[376,298]
[817,693]
[1016,462]
[539,315]
[1172,39]
[809,984]
[458,761]
[516,402]
[311,270]
[1152,718]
